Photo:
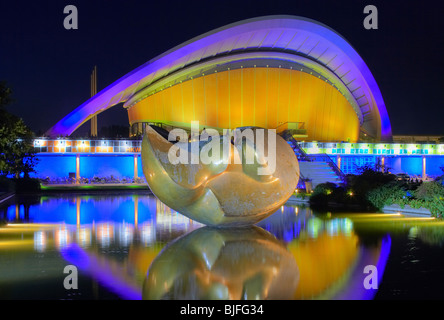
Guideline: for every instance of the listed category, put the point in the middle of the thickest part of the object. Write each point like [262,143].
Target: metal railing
[303,156]
[293,127]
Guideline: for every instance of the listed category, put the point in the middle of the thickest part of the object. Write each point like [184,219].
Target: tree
[17,154]
[5,95]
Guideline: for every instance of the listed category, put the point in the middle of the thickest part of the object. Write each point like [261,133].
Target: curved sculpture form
[228,191]
[223,264]
[273,43]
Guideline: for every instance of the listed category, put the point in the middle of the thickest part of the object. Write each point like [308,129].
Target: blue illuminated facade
[118,166]
[120,159]
[61,166]
[412,165]
[54,165]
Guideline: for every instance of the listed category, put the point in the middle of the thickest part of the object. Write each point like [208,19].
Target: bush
[429,191]
[428,195]
[373,189]
[301,195]
[416,203]
[330,192]
[369,179]
[436,207]
[386,195]
[324,188]
[432,196]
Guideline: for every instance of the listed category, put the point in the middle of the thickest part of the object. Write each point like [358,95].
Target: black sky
[49,67]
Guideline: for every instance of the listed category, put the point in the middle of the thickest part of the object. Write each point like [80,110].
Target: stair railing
[303,156]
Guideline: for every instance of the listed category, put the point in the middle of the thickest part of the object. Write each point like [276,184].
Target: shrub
[428,195]
[386,195]
[432,196]
[301,195]
[324,188]
[436,208]
[430,191]
[321,193]
[330,192]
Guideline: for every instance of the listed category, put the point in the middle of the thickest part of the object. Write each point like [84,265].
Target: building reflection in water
[84,237]
[293,254]
[211,263]
[39,241]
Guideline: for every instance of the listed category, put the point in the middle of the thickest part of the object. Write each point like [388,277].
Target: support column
[77,168]
[93,93]
[424,167]
[382,163]
[135,167]
[339,162]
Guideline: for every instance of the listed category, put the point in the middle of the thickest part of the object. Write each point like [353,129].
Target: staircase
[317,168]
[318,172]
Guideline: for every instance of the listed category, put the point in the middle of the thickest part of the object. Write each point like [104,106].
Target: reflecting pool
[132,246]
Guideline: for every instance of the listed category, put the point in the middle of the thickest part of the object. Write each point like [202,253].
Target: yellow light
[31,225]
[305,107]
[16,243]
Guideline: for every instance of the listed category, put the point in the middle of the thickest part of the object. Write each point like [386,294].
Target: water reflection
[212,263]
[134,247]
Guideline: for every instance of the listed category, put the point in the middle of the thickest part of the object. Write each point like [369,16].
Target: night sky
[49,67]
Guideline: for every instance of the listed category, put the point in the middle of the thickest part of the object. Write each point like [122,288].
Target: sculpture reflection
[212,263]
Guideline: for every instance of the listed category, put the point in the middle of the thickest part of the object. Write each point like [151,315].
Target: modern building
[268,72]
[288,73]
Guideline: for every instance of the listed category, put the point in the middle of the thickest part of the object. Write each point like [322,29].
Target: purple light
[100,271]
[355,289]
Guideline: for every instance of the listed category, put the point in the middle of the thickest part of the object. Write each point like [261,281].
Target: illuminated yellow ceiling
[264,97]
